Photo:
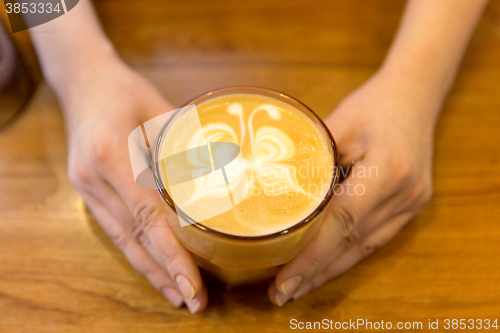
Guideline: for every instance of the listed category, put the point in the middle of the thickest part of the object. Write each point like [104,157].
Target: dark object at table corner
[19,86]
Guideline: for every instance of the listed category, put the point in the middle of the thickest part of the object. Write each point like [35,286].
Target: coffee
[281,174]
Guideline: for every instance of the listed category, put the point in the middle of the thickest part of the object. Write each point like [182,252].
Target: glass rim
[263,91]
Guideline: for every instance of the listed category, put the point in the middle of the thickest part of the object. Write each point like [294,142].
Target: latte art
[270,183]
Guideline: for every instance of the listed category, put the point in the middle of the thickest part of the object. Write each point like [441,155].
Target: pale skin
[388,122]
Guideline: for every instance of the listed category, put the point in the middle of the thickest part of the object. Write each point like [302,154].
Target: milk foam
[269,194]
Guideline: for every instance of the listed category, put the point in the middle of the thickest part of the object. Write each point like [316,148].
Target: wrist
[70,71]
[418,76]
[414,80]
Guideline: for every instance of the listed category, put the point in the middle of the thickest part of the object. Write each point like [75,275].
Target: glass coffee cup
[232,258]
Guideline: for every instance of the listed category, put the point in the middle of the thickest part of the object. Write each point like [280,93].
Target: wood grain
[59,272]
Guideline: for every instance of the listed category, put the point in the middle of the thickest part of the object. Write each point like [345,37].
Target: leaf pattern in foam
[210,184]
[270,149]
[272,146]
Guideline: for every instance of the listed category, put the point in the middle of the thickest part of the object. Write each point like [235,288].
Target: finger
[146,208]
[134,253]
[106,195]
[342,218]
[110,198]
[103,193]
[148,211]
[386,211]
[382,214]
[113,203]
[362,250]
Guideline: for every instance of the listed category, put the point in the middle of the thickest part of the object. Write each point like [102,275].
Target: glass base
[237,277]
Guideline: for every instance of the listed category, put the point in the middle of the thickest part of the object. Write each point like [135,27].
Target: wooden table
[59,272]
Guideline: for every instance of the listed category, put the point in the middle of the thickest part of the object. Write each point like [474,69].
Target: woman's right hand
[101,109]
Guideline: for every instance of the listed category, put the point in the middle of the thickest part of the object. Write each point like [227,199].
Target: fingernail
[193,305]
[185,287]
[173,296]
[302,291]
[291,284]
[281,299]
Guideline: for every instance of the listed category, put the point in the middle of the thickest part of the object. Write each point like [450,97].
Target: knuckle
[169,257]
[120,240]
[138,234]
[368,249]
[312,258]
[78,174]
[145,214]
[401,171]
[351,240]
[345,220]
[99,152]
